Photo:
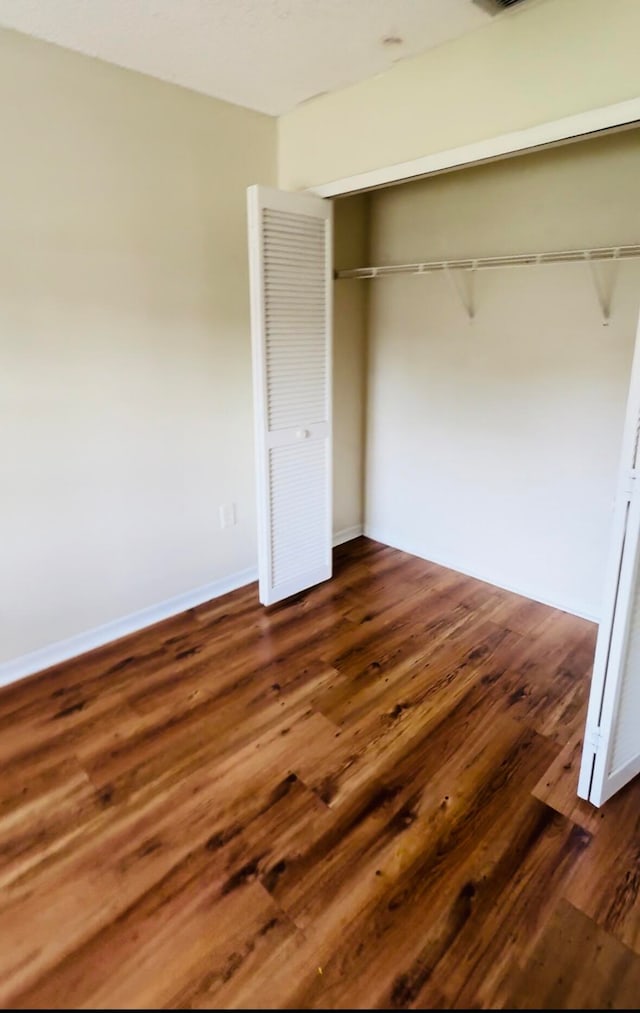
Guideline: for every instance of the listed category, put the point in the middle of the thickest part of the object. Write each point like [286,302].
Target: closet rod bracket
[604,274]
[463,284]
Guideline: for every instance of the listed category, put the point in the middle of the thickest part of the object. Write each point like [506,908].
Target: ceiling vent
[496,6]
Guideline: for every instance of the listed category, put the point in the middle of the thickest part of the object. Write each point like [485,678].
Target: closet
[492,313]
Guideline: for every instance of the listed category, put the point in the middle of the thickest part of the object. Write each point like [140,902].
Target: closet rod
[482,263]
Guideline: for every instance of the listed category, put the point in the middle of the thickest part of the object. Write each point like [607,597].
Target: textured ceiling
[266,54]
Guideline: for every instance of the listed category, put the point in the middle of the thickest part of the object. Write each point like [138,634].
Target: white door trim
[593,121]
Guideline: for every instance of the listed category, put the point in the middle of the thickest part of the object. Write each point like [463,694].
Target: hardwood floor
[362,798]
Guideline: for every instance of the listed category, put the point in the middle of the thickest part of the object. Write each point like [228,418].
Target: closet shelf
[482,263]
[461,273]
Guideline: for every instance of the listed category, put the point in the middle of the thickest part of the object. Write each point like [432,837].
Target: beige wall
[125,373]
[493,446]
[541,62]
[351,239]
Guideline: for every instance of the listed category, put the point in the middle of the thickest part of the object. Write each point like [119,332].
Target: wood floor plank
[370,934]
[544,681]
[383,661]
[420,801]
[509,911]
[167,944]
[377,741]
[554,977]
[607,886]
[128,848]
[361,797]
[41,813]
[165,746]
[559,784]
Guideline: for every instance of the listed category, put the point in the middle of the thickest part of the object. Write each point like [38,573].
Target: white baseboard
[64,650]
[574,607]
[347,534]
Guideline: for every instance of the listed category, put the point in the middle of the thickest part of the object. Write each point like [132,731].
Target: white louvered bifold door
[290,257]
[611,751]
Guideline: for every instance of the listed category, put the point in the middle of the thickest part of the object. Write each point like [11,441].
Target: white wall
[125,373]
[543,61]
[493,445]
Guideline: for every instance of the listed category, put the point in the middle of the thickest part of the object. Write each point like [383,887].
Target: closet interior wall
[491,446]
[351,246]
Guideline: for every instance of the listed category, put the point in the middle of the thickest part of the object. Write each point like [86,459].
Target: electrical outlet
[227,515]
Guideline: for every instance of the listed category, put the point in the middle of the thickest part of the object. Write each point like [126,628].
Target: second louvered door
[611,751]
[290,257]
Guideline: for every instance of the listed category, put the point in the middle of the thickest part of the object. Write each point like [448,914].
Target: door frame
[569,129]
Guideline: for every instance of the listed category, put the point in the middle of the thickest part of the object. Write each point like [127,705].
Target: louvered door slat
[290,259]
